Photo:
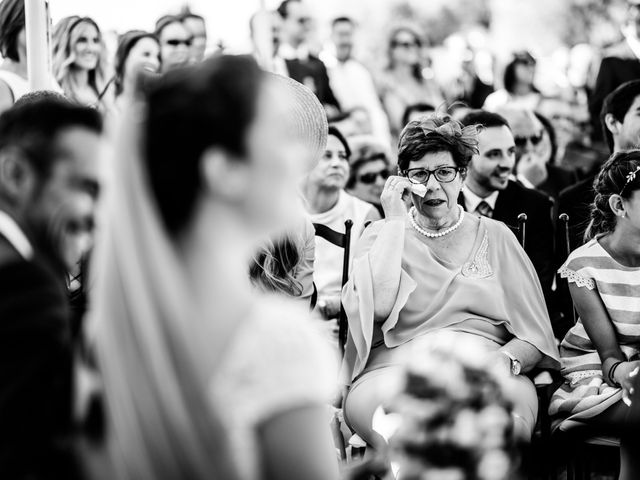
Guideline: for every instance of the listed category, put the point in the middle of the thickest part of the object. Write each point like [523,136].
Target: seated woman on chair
[328,204]
[435,268]
[602,349]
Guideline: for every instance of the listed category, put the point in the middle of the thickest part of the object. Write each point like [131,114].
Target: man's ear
[17,176]
[612,124]
[224,175]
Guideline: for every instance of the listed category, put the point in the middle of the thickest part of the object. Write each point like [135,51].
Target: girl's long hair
[64,59]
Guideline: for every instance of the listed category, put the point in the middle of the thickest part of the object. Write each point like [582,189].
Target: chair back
[342,240]
[564,221]
[520,230]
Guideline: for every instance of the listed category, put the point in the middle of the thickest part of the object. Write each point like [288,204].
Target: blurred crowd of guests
[435,178]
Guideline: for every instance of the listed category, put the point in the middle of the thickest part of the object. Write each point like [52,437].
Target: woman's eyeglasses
[369,178]
[522,141]
[176,42]
[422,175]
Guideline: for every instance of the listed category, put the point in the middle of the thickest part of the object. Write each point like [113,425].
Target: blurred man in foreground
[49,184]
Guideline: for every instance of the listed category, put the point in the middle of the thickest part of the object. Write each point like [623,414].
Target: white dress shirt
[353,86]
[10,230]
[471,200]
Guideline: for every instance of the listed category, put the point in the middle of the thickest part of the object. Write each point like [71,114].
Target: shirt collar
[471,200]
[16,237]
[287,52]
[632,41]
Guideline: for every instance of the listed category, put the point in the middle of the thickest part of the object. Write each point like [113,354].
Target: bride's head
[218,142]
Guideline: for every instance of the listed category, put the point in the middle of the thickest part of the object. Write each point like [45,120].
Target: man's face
[528,133]
[629,130]
[342,37]
[61,213]
[175,46]
[297,26]
[198,30]
[490,169]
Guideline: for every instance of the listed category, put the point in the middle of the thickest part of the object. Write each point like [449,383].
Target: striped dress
[585,394]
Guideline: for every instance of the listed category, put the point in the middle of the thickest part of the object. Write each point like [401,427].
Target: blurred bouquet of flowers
[455,422]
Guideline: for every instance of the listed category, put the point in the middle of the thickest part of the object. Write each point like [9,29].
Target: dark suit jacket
[618,66]
[313,74]
[557,180]
[513,201]
[35,370]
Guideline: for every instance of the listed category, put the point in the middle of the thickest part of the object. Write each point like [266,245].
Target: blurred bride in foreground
[204,378]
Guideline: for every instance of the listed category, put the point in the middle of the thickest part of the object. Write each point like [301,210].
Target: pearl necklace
[422,231]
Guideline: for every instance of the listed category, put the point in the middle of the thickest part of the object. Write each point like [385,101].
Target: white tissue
[419,189]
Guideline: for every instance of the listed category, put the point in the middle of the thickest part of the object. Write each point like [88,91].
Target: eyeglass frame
[458,170]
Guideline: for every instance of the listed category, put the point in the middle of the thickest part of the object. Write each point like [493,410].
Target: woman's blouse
[496,289]
[328,262]
[585,392]
[278,360]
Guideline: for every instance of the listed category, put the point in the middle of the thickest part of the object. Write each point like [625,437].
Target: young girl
[601,351]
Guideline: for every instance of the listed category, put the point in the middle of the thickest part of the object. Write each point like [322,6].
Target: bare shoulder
[6,96]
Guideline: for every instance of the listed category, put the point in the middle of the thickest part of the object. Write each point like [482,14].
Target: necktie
[484,209]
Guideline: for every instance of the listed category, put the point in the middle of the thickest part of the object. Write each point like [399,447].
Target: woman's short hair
[437,133]
[620,175]
[12,22]
[365,149]
[126,43]
[189,111]
[333,131]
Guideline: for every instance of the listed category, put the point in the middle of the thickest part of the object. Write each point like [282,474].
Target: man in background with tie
[293,58]
[489,192]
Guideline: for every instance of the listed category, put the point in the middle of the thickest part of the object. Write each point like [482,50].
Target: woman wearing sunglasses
[404,82]
[79,62]
[431,268]
[369,170]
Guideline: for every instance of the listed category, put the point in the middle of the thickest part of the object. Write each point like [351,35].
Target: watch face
[515,367]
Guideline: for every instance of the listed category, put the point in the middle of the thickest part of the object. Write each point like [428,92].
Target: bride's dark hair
[189,111]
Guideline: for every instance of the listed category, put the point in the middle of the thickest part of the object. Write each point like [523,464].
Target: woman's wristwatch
[516,366]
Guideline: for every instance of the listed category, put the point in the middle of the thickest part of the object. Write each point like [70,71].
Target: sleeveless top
[18,85]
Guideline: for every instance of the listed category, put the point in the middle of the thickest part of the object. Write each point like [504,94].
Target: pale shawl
[497,284]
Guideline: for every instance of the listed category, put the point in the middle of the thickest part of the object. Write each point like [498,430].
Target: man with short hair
[293,58]
[350,80]
[488,191]
[620,124]
[49,185]
[620,64]
[175,42]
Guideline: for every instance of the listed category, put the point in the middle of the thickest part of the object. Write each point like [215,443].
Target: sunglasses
[175,42]
[369,178]
[406,45]
[534,139]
